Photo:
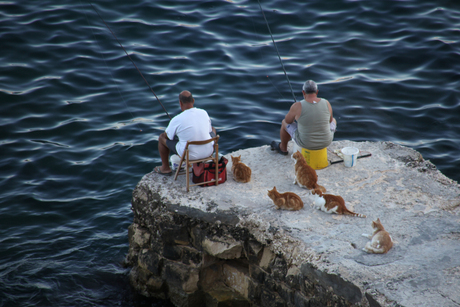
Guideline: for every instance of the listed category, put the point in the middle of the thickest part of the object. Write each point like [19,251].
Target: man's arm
[213,133]
[330,111]
[294,113]
[170,130]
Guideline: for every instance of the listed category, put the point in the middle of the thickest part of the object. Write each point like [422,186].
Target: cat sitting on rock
[305,175]
[286,201]
[241,172]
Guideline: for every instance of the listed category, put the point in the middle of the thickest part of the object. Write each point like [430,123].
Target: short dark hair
[184,98]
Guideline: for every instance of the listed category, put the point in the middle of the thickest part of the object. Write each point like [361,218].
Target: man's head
[186,97]
[310,87]
[186,100]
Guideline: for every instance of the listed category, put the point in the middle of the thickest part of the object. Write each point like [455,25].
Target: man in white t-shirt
[192,124]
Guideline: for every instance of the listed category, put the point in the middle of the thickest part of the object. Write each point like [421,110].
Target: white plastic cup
[350,156]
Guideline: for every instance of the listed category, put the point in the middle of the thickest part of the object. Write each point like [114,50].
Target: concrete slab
[417,205]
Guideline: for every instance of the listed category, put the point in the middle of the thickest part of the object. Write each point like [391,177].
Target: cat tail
[372,250]
[354,214]
[320,187]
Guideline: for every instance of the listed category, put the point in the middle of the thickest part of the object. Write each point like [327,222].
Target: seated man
[309,122]
[192,124]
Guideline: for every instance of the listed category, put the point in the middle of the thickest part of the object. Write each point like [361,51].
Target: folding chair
[189,163]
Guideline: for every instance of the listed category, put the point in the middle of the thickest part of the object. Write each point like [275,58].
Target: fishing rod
[131,60]
[359,157]
[279,57]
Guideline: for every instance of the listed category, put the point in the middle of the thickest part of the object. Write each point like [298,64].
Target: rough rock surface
[182,243]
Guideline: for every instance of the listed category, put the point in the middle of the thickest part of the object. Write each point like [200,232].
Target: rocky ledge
[228,246]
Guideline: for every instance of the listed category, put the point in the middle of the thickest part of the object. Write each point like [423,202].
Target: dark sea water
[79,126]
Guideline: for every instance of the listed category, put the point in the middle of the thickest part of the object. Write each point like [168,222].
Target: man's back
[191,125]
[313,130]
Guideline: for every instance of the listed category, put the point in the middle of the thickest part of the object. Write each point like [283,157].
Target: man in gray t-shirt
[309,122]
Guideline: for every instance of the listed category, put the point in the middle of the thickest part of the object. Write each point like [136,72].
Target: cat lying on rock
[381,241]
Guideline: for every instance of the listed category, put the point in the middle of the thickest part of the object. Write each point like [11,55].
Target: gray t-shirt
[313,128]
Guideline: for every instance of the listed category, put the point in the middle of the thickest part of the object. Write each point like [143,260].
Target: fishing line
[275,87]
[113,79]
[131,60]
[255,31]
[285,73]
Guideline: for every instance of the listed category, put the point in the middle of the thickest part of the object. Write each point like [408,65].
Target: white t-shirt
[191,125]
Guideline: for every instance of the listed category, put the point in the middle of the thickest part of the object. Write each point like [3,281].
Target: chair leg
[217,164]
[180,164]
[187,174]
[177,173]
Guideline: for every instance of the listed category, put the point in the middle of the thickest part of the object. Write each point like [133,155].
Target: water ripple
[80,126]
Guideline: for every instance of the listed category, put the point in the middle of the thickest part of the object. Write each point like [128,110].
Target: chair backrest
[215,139]
[186,150]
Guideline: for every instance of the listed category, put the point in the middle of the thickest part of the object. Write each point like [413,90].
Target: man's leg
[164,153]
[284,136]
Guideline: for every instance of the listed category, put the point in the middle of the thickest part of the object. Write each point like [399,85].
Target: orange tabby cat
[381,241]
[332,204]
[241,172]
[287,201]
[305,175]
